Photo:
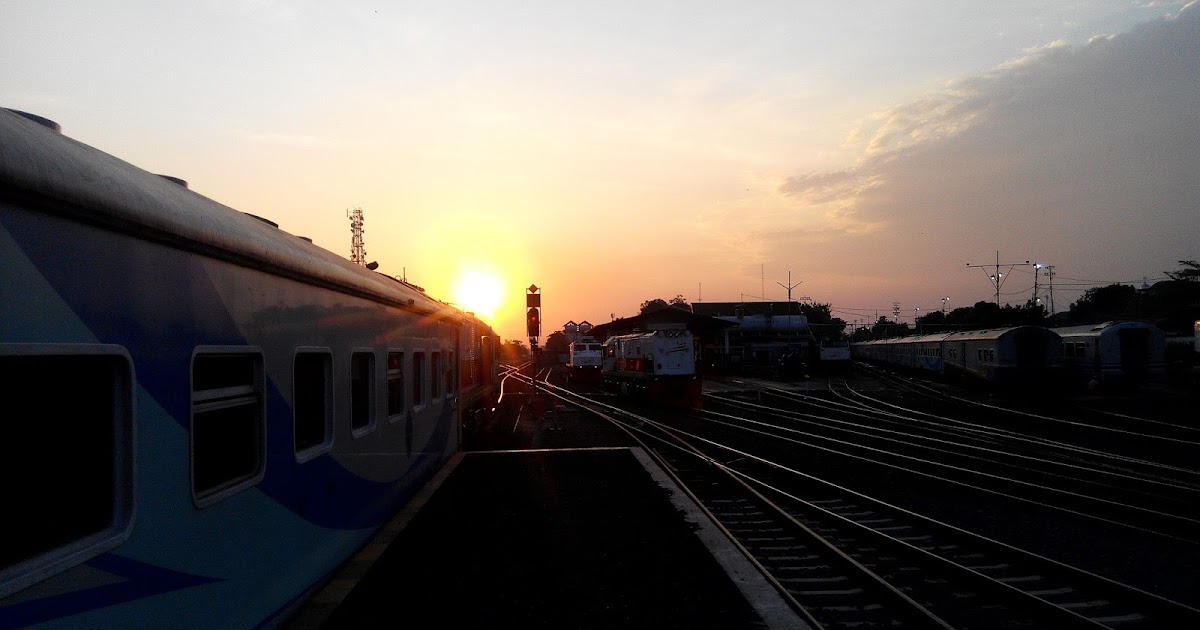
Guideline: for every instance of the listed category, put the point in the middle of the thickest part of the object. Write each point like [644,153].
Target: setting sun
[479,291]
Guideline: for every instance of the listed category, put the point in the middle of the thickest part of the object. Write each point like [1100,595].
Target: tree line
[1173,305]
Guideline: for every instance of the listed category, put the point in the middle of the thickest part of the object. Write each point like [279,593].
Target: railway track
[847,560]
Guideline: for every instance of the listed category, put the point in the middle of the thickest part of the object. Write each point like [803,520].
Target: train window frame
[308,453]
[369,389]
[419,372]
[450,374]
[123,501]
[435,377]
[400,374]
[235,485]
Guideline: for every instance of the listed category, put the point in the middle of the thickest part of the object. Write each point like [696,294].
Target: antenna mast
[997,278]
[358,254]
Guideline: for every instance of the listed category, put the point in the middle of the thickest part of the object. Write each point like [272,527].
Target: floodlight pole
[997,277]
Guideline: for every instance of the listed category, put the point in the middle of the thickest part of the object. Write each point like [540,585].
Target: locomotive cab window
[227,422]
[312,403]
[449,372]
[395,385]
[362,399]
[70,470]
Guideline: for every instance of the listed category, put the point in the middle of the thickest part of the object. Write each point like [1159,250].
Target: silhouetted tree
[1189,271]
[821,320]
[557,343]
[514,352]
[652,305]
[1101,304]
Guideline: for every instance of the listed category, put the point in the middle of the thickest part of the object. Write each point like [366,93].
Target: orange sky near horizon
[616,154]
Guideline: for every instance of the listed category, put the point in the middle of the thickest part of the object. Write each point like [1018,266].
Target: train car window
[395,385]
[312,402]
[450,373]
[418,385]
[435,374]
[227,422]
[70,470]
[362,403]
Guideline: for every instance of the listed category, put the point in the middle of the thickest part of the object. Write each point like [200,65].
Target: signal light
[533,323]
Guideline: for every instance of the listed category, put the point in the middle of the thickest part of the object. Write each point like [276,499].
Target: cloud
[1084,156]
[1088,153]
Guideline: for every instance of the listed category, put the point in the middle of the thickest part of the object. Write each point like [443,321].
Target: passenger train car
[1020,356]
[583,364]
[205,415]
[659,365]
[1113,353]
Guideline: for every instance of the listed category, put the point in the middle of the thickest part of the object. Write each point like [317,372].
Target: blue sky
[621,152]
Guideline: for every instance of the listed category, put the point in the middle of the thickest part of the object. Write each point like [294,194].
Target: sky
[865,153]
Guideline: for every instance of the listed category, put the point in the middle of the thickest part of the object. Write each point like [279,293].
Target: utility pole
[997,277]
[1050,275]
[1036,270]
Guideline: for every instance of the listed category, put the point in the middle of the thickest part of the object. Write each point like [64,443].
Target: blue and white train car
[1017,356]
[1113,352]
[1022,355]
[919,352]
[205,415]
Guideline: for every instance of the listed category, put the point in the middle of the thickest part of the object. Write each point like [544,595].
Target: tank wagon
[1017,356]
[1113,353]
[658,365]
[217,413]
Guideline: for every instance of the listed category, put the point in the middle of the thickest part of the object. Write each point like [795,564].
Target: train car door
[1135,353]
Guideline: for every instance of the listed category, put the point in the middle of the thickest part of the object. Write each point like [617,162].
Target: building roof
[733,309]
[698,324]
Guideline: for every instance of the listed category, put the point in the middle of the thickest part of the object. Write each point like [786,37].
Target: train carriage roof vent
[175,180]
[267,221]
[45,122]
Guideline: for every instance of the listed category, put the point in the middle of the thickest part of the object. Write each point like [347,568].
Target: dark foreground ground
[543,523]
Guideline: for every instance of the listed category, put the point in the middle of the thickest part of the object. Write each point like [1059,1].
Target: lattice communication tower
[358,253]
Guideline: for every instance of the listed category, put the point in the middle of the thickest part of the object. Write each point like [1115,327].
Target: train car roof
[1096,330]
[66,177]
[932,337]
[991,333]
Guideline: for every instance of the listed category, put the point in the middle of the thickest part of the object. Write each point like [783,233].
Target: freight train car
[205,414]
[658,365]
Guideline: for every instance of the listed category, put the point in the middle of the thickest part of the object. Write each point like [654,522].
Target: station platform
[580,532]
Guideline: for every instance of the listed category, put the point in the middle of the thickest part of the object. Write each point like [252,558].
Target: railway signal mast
[533,315]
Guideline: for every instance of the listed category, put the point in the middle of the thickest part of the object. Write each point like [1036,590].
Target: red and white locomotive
[659,365]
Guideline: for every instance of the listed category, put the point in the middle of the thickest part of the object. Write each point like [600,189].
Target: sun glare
[479,292]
